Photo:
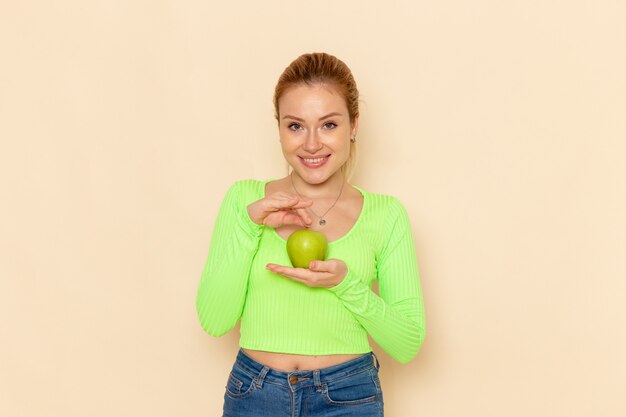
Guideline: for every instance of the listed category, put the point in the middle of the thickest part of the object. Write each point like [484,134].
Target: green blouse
[281,315]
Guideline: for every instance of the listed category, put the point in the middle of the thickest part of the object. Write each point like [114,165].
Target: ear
[354,127]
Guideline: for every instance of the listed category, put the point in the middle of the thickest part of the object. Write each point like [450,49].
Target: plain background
[499,124]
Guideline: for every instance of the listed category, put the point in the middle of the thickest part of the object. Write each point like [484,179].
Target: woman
[304,331]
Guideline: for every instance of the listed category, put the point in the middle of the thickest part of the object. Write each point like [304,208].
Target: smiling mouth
[314,162]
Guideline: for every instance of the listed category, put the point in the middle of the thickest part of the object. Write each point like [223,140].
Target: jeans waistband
[315,377]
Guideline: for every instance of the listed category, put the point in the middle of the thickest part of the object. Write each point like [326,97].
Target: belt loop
[375,360]
[316,378]
[261,377]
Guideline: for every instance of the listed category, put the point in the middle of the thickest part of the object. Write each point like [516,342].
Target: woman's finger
[298,274]
[294,209]
[322,266]
[294,219]
[307,276]
[276,204]
[331,268]
[304,215]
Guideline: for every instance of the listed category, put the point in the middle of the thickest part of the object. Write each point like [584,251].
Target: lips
[315,161]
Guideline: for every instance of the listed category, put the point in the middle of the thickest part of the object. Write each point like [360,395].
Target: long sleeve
[234,242]
[395,319]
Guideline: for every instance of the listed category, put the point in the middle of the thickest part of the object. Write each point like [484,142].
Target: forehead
[304,100]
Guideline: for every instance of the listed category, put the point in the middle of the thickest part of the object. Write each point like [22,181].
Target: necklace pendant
[322,222]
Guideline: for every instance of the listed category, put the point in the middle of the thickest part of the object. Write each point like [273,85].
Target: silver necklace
[322,222]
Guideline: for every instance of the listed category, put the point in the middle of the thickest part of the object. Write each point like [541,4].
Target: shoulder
[246,190]
[387,216]
[384,206]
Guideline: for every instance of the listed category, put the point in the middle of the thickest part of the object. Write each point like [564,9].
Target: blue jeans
[351,388]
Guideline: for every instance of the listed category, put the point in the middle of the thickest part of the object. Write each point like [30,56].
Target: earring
[352,140]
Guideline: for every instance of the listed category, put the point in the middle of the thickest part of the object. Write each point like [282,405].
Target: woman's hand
[319,274]
[280,209]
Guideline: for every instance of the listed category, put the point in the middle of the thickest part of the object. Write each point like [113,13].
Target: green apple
[304,246]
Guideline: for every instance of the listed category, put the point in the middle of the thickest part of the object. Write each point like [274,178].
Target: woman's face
[315,131]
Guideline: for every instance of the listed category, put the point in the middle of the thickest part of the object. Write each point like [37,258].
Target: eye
[294,126]
[329,125]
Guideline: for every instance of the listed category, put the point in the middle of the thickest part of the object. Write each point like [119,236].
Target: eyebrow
[288,116]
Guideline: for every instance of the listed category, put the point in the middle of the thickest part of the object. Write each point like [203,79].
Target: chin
[315,178]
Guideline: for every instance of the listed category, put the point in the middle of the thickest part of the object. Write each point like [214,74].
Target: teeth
[313,161]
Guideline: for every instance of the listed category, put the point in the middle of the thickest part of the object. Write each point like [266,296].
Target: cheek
[342,142]
[343,152]
[283,139]
[288,146]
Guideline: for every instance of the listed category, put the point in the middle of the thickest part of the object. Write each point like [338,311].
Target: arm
[395,320]
[223,284]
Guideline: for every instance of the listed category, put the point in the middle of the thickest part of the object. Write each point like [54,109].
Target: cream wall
[500,125]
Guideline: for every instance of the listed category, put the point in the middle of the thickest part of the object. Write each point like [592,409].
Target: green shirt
[281,315]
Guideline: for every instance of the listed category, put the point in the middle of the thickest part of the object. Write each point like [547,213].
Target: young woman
[304,331]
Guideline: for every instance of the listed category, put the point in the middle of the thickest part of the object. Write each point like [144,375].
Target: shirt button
[293,379]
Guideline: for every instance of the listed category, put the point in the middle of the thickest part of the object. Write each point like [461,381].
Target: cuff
[341,288]
[250,227]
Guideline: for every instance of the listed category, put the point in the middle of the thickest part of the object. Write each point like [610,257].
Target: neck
[326,189]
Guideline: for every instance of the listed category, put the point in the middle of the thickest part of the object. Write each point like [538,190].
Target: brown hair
[322,68]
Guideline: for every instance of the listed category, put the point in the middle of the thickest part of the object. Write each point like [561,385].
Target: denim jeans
[351,388]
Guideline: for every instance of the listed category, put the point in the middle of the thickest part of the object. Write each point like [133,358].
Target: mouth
[314,161]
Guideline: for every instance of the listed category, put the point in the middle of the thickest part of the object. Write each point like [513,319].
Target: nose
[312,142]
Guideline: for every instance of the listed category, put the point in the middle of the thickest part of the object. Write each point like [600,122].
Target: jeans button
[293,379]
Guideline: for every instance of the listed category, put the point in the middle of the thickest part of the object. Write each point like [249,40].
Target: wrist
[342,284]
[252,211]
